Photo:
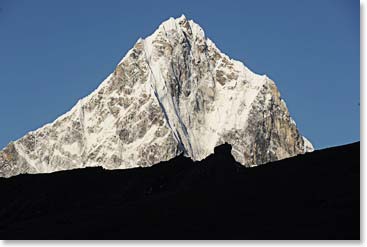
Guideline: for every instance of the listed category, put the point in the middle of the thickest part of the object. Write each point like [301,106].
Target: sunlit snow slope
[173,92]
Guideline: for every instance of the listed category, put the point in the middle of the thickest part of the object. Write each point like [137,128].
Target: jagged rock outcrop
[173,92]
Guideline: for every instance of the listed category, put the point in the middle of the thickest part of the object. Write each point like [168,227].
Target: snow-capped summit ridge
[173,92]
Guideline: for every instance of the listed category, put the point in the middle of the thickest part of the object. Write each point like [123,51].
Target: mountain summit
[174,92]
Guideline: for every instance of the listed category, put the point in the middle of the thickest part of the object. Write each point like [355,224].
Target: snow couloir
[174,92]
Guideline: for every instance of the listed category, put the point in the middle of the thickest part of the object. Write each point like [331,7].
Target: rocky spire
[173,92]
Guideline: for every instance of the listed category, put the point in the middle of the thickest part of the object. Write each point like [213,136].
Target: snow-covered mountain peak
[173,92]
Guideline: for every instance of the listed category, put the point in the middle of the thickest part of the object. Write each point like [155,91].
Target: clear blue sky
[54,52]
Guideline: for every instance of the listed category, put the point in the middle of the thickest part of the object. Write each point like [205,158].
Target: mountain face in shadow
[311,196]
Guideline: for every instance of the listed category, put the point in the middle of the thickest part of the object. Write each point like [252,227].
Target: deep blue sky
[54,52]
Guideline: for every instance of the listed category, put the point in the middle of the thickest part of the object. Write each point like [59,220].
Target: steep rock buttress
[173,92]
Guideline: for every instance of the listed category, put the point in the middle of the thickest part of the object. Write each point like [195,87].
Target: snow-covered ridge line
[173,92]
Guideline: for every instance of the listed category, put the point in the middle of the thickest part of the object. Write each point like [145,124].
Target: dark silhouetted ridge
[311,196]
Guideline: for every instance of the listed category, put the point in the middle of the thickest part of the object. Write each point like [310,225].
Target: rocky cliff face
[173,92]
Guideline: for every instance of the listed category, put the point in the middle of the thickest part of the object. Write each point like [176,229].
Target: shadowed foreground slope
[312,196]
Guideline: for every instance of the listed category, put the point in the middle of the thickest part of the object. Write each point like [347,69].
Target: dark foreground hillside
[312,196]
